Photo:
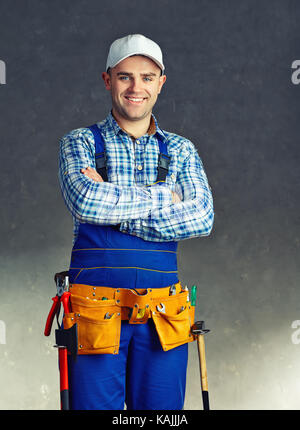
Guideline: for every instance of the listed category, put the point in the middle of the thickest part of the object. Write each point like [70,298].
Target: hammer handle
[202,360]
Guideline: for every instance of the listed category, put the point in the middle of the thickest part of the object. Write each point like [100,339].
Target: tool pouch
[174,324]
[98,322]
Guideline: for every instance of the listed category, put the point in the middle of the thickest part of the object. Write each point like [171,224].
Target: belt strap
[110,293]
[135,299]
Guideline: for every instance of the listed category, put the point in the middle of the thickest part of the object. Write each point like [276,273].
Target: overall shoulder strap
[100,157]
[163,160]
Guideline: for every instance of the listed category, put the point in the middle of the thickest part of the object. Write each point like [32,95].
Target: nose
[135,85]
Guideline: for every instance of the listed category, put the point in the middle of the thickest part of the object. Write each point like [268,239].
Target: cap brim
[160,65]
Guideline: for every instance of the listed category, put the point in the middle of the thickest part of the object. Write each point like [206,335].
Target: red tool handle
[63,361]
[64,380]
[65,299]
[51,315]
[62,351]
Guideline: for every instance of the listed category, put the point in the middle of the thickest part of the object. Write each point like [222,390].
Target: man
[134,191]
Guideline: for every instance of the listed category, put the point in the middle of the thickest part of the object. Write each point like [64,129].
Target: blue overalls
[142,375]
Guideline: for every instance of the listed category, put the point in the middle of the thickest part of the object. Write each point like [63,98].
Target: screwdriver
[193,295]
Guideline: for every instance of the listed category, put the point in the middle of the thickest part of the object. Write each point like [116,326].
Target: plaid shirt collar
[152,130]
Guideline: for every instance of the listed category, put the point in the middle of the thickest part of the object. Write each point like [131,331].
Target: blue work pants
[142,375]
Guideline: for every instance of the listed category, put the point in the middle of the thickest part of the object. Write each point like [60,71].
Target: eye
[124,78]
[146,78]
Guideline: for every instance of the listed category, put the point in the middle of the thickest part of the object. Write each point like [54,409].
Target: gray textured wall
[229,90]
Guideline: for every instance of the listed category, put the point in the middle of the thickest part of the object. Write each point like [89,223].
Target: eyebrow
[131,74]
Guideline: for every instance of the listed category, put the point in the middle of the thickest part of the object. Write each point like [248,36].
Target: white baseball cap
[134,44]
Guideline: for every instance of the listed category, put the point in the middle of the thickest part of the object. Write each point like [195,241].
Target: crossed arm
[90,200]
[91,173]
[153,213]
[189,215]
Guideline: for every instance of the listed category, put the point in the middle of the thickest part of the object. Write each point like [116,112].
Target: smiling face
[134,84]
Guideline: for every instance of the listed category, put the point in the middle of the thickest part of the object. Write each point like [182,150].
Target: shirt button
[137,141]
[140,167]
[173,177]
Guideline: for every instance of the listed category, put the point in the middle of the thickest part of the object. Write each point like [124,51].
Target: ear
[162,80]
[106,79]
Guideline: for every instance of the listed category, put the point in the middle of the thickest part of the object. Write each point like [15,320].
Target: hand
[92,174]
[175,197]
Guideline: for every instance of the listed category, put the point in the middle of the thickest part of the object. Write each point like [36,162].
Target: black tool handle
[205,399]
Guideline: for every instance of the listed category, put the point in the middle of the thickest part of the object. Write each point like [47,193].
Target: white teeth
[134,100]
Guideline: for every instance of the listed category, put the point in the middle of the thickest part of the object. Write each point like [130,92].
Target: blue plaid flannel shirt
[131,198]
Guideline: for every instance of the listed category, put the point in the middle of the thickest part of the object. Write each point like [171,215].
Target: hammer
[199,331]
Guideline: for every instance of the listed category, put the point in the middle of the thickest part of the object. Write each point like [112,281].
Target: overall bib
[141,374]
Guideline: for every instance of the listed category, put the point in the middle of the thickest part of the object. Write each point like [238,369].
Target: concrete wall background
[229,90]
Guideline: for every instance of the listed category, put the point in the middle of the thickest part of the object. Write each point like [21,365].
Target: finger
[94,176]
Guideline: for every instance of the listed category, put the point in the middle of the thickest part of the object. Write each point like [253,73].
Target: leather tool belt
[98,312]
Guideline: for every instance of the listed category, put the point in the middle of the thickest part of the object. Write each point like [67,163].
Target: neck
[134,128]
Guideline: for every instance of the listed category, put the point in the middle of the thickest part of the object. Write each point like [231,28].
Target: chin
[136,116]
